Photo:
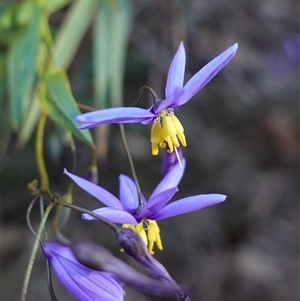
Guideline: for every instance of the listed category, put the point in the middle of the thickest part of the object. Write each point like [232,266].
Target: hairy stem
[33,252]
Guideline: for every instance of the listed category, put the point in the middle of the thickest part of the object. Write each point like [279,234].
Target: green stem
[39,150]
[34,250]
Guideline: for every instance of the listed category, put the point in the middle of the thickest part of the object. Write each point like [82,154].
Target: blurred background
[242,133]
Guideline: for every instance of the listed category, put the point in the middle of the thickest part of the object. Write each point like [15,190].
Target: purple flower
[166,129]
[128,211]
[98,258]
[83,283]
[133,245]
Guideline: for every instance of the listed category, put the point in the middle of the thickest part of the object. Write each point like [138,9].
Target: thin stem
[50,285]
[95,215]
[94,155]
[29,211]
[127,151]
[140,93]
[64,216]
[39,150]
[49,276]
[33,252]
[85,107]
[55,224]
[42,211]
[72,147]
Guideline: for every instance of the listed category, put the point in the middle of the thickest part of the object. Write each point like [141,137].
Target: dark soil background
[242,131]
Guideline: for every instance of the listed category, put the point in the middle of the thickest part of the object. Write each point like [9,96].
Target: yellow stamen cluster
[150,234]
[167,130]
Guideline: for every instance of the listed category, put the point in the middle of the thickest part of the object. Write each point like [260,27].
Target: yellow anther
[153,236]
[128,226]
[166,130]
[139,229]
[155,136]
[179,129]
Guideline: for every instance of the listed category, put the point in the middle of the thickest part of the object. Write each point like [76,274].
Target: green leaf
[28,123]
[71,32]
[121,16]
[55,5]
[101,57]
[20,14]
[21,65]
[58,102]
[110,39]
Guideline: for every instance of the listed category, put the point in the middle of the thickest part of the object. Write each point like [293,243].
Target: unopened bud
[98,258]
[132,243]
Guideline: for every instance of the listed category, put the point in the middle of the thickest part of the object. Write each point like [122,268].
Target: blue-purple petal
[98,192]
[114,115]
[113,215]
[157,202]
[197,82]
[170,180]
[170,160]
[189,204]
[83,283]
[128,194]
[176,72]
[202,77]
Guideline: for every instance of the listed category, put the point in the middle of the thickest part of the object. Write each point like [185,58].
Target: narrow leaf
[101,57]
[121,15]
[29,123]
[55,5]
[21,65]
[72,31]
[110,37]
[57,100]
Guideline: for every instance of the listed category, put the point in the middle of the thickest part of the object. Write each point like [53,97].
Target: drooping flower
[83,283]
[100,259]
[134,246]
[167,130]
[142,215]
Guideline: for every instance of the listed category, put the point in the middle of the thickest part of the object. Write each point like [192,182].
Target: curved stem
[29,211]
[50,285]
[56,221]
[140,93]
[85,107]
